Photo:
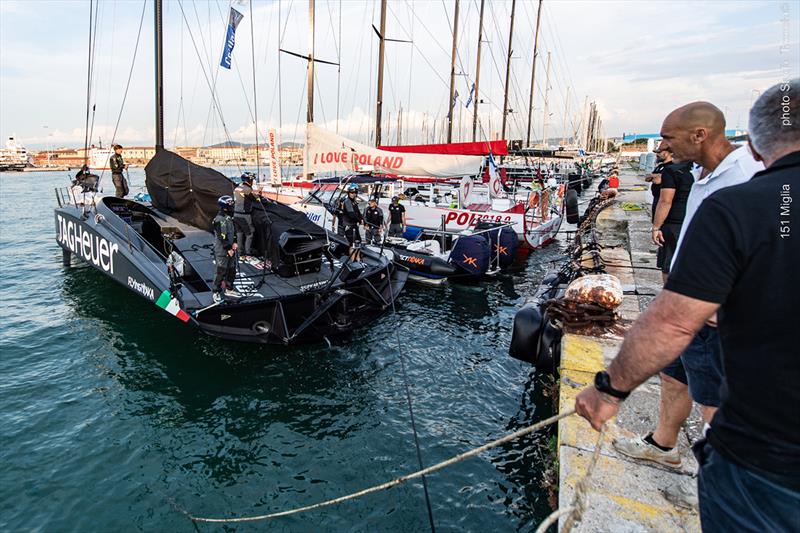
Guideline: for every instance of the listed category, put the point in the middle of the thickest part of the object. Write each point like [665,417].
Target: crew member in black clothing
[224,250]
[373,222]
[244,197]
[654,178]
[397,218]
[351,215]
[738,258]
[670,209]
[118,166]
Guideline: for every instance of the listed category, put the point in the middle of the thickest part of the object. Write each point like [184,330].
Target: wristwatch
[602,382]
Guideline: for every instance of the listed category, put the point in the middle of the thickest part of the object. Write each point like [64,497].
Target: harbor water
[115,415]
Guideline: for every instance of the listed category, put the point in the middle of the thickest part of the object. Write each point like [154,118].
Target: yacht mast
[451,104]
[533,71]
[159,64]
[379,100]
[506,111]
[475,98]
[546,98]
[310,71]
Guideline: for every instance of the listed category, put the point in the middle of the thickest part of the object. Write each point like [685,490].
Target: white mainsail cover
[328,152]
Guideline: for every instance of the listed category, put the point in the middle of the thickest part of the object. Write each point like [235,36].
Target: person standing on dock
[669,208]
[695,132]
[397,218]
[373,222]
[225,248]
[118,166]
[738,257]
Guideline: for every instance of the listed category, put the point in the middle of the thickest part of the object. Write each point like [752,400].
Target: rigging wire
[255,93]
[92,84]
[130,73]
[208,81]
[88,87]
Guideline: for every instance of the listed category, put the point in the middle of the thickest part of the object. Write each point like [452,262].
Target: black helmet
[225,203]
[395,198]
[248,177]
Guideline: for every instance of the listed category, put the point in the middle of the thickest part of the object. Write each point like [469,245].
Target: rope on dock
[575,511]
[397,481]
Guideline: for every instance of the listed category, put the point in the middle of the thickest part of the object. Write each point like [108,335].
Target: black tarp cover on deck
[189,192]
[184,190]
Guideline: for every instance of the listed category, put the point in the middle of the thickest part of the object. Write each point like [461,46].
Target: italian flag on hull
[171,306]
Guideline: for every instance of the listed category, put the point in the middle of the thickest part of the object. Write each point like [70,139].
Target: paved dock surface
[626,494]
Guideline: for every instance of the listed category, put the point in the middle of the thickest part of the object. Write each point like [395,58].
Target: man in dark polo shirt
[739,258]
[669,211]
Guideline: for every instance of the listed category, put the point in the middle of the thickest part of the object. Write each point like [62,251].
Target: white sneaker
[683,493]
[217,297]
[638,448]
[232,293]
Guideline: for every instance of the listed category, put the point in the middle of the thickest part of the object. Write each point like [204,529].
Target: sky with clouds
[637,60]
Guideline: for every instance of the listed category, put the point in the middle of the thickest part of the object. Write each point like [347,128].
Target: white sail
[327,151]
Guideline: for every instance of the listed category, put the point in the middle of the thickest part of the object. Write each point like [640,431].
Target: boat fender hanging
[571,204]
[548,358]
[525,334]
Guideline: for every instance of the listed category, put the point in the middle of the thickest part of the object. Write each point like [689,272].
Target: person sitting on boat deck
[86,180]
[373,222]
[243,197]
[118,165]
[351,214]
[225,248]
[397,218]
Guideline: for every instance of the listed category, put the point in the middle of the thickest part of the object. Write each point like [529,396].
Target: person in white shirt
[694,132]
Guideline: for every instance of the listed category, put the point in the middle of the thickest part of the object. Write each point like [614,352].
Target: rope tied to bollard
[397,481]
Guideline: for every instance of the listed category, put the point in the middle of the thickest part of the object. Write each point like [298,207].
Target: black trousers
[120,184]
[226,271]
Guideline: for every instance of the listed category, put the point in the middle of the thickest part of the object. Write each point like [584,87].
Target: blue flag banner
[230,38]
[471,93]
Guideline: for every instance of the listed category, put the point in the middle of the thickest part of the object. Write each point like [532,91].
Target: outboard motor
[472,254]
[505,237]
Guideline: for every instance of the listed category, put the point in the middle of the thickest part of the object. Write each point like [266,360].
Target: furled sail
[329,152]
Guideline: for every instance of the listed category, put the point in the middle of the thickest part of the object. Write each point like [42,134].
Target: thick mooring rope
[396,481]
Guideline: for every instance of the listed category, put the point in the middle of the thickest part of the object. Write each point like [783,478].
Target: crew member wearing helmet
[243,198]
[224,249]
[397,218]
[350,214]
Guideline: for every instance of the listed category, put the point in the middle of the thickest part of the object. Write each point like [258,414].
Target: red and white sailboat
[445,193]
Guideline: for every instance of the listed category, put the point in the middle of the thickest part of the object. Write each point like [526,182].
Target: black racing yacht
[303,286]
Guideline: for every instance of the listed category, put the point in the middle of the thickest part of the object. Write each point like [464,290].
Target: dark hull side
[108,245]
[120,258]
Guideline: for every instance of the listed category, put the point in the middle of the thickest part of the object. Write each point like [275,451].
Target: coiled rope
[402,479]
